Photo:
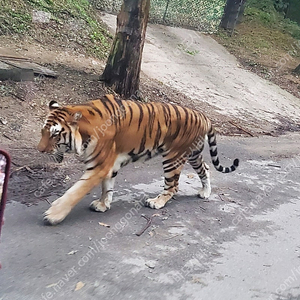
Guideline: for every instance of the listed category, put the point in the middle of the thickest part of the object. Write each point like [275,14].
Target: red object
[4,190]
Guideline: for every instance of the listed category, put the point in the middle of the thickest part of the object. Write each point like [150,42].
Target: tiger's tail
[214,154]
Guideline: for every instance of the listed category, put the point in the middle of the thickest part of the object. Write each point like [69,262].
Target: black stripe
[131,114]
[64,135]
[168,161]
[186,117]
[95,156]
[121,108]
[113,107]
[105,105]
[196,117]
[91,112]
[168,115]
[151,119]
[216,162]
[170,169]
[175,135]
[141,114]
[143,142]
[169,179]
[213,153]
[168,188]
[131,153]
[94,167]
[157,136]
[97,110]
[61,115]
[192,119]
[213,143]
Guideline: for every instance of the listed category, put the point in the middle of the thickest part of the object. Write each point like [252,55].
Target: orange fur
[108,133]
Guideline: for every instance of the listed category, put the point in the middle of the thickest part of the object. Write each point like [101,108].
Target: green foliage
[16,17]
[265,12]
[281,5]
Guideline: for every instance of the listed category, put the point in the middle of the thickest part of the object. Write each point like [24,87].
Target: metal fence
[203,15]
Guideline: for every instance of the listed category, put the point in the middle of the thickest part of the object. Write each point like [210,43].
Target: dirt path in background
[202,69]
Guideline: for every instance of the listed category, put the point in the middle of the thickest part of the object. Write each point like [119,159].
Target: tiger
[108,133]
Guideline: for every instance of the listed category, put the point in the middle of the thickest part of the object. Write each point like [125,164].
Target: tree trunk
[297,70]
[122,71]
[233,12]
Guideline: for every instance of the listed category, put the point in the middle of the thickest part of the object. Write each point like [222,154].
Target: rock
[39,16]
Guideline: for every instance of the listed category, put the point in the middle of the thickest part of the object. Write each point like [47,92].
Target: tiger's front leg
[103,204]
[61,207]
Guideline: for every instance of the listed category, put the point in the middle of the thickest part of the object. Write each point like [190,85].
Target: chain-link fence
[203,15]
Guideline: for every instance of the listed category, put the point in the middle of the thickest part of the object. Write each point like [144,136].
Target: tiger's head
[59,131]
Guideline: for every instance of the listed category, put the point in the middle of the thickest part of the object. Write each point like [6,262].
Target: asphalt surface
[241,243]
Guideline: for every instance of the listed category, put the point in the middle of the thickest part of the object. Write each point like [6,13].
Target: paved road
[241,244]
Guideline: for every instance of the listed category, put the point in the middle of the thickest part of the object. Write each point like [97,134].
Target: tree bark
[297,70]
[233,12]
[122,71]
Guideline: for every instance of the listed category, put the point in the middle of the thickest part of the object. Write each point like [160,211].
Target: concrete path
[243,243]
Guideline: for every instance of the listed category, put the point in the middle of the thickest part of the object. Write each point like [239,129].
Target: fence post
[167,6]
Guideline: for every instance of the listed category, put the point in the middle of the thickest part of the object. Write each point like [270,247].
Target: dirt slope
[196,65]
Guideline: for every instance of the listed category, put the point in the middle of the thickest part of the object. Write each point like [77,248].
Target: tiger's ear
[53,105]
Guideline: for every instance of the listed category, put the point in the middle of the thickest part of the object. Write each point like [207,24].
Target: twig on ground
[18,97]
[241,128]
[23,167]
[173,236]
[6,136]
[149,221]
[221,197]
[48,202]
[272,165]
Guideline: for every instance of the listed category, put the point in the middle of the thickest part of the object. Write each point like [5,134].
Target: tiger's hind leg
[202,170]
[172,169]
[103,204]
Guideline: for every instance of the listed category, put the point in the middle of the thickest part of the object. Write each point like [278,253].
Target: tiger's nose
[41,147]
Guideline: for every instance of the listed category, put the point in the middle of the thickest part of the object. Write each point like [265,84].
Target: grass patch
[16,18]
[263,34]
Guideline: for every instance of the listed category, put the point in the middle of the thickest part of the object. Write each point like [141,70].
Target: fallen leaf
[156,215]
[79,285]
[103,224]
[51,285]
[150,264]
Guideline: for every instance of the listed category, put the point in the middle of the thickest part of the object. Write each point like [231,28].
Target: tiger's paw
[158,202]
[101,206]
[204,193]
[55,214]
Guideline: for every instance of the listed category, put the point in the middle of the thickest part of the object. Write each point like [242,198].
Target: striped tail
[214,154]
